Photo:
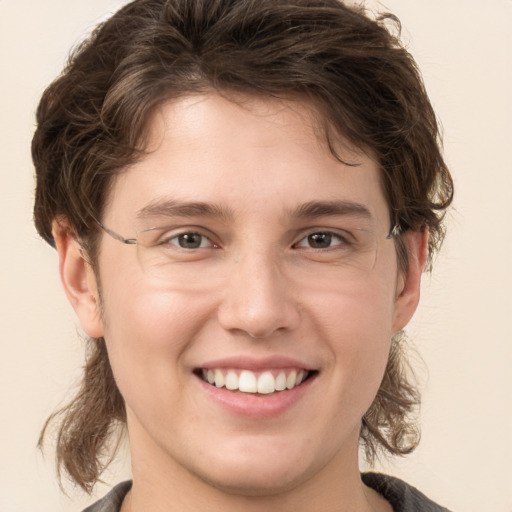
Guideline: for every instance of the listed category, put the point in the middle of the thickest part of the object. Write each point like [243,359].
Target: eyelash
[342,240]
[168,240]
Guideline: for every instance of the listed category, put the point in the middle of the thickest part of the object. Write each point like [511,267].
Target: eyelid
[339,233]
[167,233]
[174,240]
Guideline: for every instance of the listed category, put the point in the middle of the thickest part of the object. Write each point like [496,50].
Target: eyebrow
[315,209]
[309,210]
[172,208]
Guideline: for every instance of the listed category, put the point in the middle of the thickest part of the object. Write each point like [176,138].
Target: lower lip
[254,405]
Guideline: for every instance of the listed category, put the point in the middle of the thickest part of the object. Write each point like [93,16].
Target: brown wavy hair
[92,123]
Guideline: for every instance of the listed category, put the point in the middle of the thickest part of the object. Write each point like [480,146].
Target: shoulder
[402,496]
[112,501]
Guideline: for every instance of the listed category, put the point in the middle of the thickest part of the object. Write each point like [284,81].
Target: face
[249,333]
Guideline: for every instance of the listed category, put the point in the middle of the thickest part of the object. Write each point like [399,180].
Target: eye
[321,240]
[190,241]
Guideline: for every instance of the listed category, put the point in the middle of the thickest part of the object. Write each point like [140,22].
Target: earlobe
[409,281]
[78,279]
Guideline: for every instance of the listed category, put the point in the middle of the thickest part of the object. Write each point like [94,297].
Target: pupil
[190,240]
[320,240]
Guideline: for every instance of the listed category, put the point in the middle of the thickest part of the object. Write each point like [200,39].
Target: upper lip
[257,364]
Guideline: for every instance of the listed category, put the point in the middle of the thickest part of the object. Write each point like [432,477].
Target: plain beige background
[462,330]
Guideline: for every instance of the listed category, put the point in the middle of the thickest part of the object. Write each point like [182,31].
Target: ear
[409,281]
[78,278]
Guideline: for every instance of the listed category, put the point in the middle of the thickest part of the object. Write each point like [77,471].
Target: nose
[258,299]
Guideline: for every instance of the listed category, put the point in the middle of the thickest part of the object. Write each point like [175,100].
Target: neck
[161,484]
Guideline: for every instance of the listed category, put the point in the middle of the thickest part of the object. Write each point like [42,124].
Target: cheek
[147,336]
[358,327]
[359,313]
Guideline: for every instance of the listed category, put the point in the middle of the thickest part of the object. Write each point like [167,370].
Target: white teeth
[231,380]
[246,381]
[281,382]
[290,380]
[219,379]
[266,383]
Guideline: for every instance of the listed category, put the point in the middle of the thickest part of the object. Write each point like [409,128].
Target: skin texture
[253,293]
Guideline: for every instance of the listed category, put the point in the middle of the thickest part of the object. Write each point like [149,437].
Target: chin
[248,481]
[255,468]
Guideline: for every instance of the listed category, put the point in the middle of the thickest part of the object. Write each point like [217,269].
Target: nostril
[257,301]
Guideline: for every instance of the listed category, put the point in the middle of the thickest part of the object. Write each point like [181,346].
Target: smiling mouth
[247,381]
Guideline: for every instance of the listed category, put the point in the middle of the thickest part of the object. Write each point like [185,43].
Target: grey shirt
[401,496]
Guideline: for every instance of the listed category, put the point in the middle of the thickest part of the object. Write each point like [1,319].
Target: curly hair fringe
[390,424]
[90,425]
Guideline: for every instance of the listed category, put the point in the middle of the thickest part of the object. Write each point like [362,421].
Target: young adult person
[243,195]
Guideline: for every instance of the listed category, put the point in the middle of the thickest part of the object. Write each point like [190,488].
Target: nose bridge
[257,298]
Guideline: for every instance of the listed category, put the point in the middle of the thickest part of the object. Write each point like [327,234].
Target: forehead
[244,154]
